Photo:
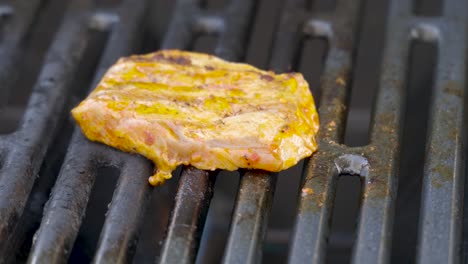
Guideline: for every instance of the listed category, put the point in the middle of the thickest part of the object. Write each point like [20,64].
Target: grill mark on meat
[266,77]
[181,60]
[149,139]
[284,129]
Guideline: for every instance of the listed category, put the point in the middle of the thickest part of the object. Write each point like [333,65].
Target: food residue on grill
[177,107]
[341,81]
[307,191]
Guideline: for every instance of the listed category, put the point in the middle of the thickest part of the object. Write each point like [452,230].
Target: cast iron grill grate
[119,29]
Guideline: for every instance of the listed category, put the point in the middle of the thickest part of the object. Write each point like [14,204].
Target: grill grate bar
[230,45]
[340,30]
[188,216]
[66,207]
[287,38]
[315,205]
[232,39]
[256,190]
[248,227]
[29,143]
[16,21]
[64,210]
[442,190]
[389,97]
[373,235]
[118,237]
[187,220]
[181,32]
[252,206]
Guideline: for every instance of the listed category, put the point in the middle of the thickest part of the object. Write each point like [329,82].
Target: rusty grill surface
[119,27]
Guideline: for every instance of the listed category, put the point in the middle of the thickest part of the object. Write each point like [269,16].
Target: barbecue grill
[63,197]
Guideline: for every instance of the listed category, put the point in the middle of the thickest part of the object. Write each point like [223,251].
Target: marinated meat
[177,107]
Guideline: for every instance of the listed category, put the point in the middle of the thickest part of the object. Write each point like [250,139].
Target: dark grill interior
[387,184]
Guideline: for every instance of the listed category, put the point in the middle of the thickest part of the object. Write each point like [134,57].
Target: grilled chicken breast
[176,107]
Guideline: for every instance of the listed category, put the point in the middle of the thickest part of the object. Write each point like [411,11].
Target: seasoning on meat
[177,107]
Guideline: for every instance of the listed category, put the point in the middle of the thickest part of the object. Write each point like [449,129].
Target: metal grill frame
[377,163]
[22,152]
[66,208]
